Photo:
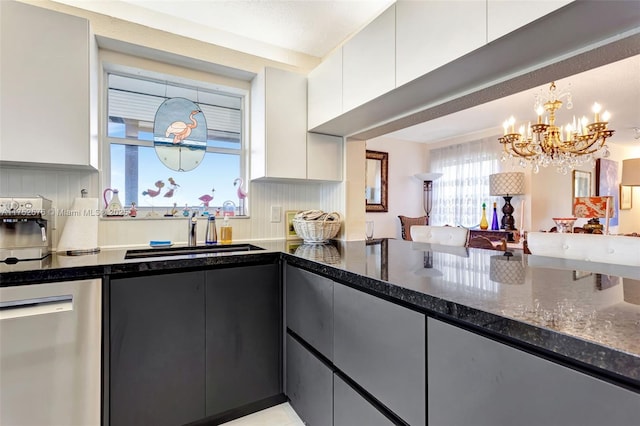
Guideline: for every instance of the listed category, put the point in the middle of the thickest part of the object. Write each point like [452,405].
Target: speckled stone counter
[585,313]
[581,313]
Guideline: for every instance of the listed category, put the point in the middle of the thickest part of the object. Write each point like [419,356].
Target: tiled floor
[280,415]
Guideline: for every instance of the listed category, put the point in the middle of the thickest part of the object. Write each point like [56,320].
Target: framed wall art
[626,197]
[289,232]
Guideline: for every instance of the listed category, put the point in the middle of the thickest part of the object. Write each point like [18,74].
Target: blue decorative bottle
[494,223]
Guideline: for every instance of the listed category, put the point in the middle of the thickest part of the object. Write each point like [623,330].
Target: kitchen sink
[181,251]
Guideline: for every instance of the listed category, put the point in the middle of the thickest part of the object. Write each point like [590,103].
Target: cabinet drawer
[475,380]
[350,408]
[309,385]
[309,299]
[381,346]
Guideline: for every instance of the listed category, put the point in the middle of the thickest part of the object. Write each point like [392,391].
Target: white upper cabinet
[433,33]
[325,90]
[279,125]
[505,16]
[280,145]
[369,61]
[324,157]
[48,102]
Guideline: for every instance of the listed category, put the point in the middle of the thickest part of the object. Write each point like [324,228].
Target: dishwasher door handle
[36,306]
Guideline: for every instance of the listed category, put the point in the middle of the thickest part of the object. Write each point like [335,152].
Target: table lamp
[507,185]
[594,208]
[427,190]
[631,172]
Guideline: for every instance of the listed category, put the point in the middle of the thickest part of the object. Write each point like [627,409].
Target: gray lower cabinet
[243,336]
[475,380]
[157,358]
[309,385]
[309,308]
[190,345]
[382,347]
[352,409]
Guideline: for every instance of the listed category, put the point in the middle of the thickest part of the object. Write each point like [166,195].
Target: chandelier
[544,143]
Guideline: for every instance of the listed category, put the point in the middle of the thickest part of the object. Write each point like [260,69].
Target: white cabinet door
[432,33]
[505,16]
[324,157]
[325,90]
[45,108]
[369,61]
[279,125]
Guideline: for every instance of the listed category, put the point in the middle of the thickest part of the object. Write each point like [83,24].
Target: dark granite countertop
[584,313]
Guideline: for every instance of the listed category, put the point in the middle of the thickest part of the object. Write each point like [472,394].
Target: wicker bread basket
[318,231]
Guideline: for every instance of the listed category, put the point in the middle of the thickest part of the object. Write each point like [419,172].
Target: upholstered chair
[443,235]
[615,249]
[407,222]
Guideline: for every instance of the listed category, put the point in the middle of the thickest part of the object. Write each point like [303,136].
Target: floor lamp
[427,191]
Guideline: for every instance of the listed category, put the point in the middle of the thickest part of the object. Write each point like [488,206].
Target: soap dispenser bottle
[211,236]
[225,231]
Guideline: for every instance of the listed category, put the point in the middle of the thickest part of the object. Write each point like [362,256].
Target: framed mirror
[581,184]
[376,181]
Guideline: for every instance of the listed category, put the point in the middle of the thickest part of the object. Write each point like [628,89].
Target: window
[464,185]
[135,169]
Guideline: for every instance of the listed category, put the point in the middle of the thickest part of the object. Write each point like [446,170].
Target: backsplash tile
[62,186]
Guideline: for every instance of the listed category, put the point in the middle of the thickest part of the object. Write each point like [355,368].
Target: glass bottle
[225,231]
[484,224]
[494,223]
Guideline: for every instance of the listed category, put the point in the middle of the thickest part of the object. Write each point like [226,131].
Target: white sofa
[614,249]
[443,235]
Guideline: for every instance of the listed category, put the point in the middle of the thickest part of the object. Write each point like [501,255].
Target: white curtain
[458,195]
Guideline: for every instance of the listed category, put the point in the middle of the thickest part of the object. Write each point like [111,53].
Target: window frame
[178,81]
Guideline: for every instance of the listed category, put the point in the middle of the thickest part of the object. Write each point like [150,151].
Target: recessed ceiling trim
[516,62]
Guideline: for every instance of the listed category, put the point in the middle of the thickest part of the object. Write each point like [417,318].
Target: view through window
[136,170]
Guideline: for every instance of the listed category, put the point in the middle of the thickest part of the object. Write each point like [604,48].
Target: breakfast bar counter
[581,314]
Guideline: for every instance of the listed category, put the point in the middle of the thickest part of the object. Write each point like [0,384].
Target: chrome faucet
[193,230]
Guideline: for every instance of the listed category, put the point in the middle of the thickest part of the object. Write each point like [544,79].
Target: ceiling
[312,27]
[615,86]
[316,27]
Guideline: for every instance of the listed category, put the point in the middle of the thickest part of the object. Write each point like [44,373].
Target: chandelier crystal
[544,144]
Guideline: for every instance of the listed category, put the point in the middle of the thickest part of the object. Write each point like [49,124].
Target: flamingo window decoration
[242,195]
[181,130]
[206,198]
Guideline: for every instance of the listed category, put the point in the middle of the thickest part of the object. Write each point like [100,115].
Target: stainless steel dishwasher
[50,354]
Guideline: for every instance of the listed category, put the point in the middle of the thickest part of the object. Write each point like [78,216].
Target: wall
[552,194]
[62,186]
[404,190]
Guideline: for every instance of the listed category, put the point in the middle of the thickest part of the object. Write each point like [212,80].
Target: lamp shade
[508,184]
[427,176]
[427,188]
[631,172]
[591,207]
[506,270]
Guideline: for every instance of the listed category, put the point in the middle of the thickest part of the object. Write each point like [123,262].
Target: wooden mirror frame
[383,157]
